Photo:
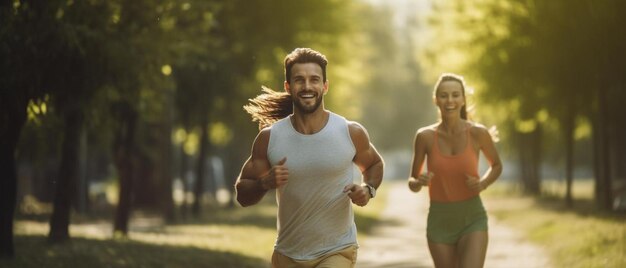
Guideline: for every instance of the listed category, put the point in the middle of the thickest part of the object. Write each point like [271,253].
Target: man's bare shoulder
[261,142]
[357,131]
[265,131]
[355,126]
[264,135]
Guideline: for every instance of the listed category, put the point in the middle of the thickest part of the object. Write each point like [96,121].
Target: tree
[140,45]
[75,75]
[218,64]
[534,52]
[395,81]
[23,80]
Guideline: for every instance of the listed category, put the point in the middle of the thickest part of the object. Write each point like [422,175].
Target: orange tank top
[449,182]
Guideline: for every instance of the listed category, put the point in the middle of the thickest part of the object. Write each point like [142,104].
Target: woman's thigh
[472,249]
[444,255]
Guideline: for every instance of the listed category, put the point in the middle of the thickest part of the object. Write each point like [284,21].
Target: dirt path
[400,241]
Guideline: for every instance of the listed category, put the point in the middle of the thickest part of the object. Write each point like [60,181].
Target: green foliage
[393,99]
[528,59]
[98,56]
[583,237]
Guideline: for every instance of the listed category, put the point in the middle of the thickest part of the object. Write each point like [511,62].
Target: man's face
[307,86]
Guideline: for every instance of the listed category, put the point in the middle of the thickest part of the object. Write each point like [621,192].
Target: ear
[287,88]
[325,87]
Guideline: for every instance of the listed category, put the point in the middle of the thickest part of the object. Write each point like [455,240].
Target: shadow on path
[80,252]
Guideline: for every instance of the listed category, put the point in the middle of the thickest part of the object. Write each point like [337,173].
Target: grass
[582,236]
[239,237]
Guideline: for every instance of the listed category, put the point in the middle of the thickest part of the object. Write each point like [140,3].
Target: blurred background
[129,106]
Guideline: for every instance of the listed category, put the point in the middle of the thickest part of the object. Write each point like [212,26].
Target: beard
[307,109]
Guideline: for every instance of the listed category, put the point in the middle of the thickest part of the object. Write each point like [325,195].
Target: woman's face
[450,98]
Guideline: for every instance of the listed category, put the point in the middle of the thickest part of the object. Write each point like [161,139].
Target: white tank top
[314,214]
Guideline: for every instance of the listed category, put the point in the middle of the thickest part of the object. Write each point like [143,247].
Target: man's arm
[257,175]
[369,162]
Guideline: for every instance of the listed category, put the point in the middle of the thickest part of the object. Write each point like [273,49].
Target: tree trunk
[523,162]
[535,160]
[568,132]
[184,159]
[66,184]
[201,167]
[598,159]
[165,170]
[82,196]
[618,185]
[530,160]
[124,160]
[603,190]
[12,119]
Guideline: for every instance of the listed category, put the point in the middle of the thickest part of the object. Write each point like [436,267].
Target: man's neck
[310,123]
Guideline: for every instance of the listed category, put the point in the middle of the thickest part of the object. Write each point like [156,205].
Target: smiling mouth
[307,95]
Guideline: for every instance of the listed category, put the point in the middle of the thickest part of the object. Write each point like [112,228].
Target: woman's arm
[488,148]
[420,145]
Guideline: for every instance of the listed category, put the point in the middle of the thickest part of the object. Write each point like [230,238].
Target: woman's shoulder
[479,131]
[428,130]
[426,133]
[476,127]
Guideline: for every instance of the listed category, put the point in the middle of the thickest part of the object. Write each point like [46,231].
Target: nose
[307,84]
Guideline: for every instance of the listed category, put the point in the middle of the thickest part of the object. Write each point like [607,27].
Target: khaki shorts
[345,258]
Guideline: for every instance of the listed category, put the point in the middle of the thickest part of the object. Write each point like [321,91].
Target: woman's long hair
[269,107]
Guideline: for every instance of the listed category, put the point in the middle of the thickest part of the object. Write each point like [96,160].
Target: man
[306,153]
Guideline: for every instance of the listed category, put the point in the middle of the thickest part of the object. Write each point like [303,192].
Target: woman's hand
[424,179]
[415,184]
[474,183]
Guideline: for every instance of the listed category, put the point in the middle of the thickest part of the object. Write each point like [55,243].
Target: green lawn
[578,237]
[240,237]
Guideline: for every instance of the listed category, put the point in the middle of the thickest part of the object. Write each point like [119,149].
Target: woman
[457,221]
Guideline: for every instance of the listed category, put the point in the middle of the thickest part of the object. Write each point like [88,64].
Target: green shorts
[448,222]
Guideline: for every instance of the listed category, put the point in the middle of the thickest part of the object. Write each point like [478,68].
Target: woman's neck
[452,124]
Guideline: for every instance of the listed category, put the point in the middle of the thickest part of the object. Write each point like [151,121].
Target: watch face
[372,191]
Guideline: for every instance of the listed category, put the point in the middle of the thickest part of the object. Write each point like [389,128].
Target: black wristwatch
[370,189]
